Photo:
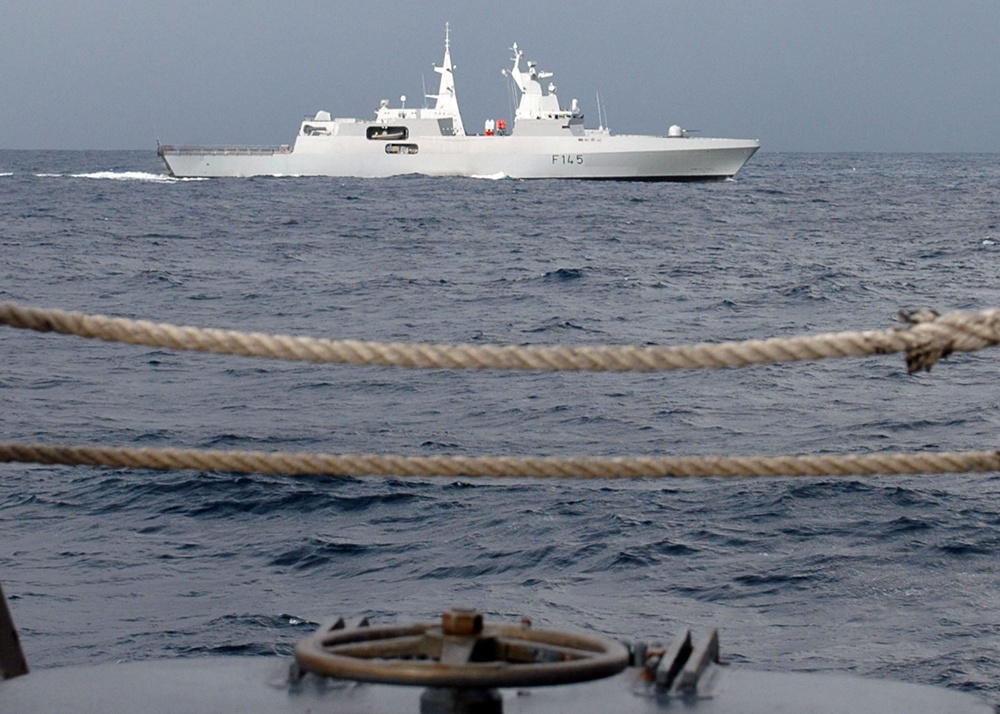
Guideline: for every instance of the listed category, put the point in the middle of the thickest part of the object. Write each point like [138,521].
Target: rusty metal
[461,621]
[424,654]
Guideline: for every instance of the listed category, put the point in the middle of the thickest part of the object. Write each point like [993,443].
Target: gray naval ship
[545,141]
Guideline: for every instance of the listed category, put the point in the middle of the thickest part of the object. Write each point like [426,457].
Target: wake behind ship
[545,141]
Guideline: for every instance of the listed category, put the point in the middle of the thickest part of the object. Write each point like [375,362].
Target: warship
[545,141]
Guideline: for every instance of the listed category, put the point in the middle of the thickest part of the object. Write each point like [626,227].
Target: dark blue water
[889,577]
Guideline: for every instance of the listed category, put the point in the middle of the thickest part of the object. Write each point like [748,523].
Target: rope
[927,338]
[357,465]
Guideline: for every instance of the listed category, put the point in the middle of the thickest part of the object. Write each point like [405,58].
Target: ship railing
[235,150]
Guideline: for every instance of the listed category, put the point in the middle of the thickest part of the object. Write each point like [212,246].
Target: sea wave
[132,176]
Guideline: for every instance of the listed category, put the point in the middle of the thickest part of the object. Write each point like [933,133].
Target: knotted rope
[502,467]
[927,338]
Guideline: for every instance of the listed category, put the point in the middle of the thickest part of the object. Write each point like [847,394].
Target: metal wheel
[461,652]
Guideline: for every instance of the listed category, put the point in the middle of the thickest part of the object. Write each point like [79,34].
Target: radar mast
[445,100]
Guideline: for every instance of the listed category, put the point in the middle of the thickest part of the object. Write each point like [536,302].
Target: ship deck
[223,150]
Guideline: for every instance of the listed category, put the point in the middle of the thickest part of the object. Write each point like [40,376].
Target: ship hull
[600,156]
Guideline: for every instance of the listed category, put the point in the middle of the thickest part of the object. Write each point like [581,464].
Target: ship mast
[445,100]
[535,103]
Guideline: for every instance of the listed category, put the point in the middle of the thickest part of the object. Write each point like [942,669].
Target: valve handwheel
[460,652]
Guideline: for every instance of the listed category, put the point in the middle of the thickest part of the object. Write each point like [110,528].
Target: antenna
[602,114]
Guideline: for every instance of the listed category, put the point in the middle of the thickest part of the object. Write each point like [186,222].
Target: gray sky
[847,75]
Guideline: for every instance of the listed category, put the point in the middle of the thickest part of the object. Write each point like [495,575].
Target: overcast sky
[842,75]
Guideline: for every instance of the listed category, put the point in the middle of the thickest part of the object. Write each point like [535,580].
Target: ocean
[893,577]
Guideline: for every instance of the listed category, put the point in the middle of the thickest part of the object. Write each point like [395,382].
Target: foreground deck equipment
[465,666]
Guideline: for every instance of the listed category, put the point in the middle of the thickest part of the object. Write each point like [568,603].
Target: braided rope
[357,465]
[927,338]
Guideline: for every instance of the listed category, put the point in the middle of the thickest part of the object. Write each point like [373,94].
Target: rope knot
[935,336]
